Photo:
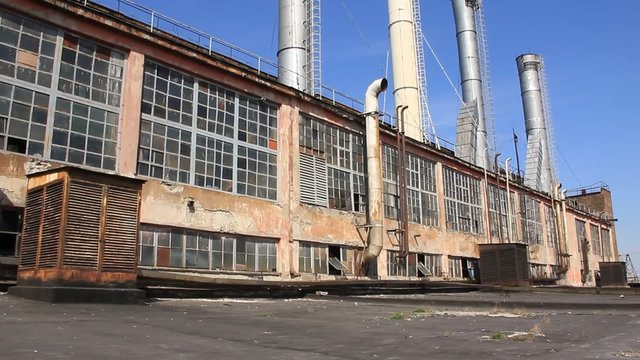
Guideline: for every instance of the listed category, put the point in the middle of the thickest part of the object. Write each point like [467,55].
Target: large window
[581,232]
[91,71]
[596,245]
[455,267]
[606,243]
[41,67]
[421,191]
[326,259]
[390,181]
[230,146]
[10,231]
[531,220]
[422,201]
[178,248]
[413,264]
[332,166]
[27,50]
[552,228]
[463,203]
[498,210]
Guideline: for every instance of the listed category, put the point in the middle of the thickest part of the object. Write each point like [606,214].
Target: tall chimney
[471,141]
[404,65]
[292,53]
[539,173]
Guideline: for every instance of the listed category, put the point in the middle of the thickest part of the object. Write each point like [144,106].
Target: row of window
[191,131]
[413,264]
[177,248]
[326,259]
[599,242]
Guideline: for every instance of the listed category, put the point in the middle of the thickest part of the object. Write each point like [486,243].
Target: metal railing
[158,22]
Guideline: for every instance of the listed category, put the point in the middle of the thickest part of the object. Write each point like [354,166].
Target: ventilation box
[79,239]
[504,264]
[613,273]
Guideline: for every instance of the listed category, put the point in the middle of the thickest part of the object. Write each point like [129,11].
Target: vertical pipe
[470,75]
[486,201]
[404,64]
[565,227]
[292,52]
[507,173]
[403,216]
[538,172]
[500,234]
[374,171]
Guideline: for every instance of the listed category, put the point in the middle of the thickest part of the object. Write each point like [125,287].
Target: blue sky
[591,50]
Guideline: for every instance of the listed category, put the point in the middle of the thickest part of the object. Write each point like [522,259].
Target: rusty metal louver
[504,264]
[31,231]
[121,229]
[52,203]
[84,212]
[80,230]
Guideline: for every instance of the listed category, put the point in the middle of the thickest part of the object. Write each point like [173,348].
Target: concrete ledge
[62,294]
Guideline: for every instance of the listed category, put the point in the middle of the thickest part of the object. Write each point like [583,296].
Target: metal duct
[292,53]
[538,172]
[404,65]
[471,81]
[374,171]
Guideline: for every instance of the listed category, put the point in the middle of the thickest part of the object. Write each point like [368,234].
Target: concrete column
[131,109]
[288,129]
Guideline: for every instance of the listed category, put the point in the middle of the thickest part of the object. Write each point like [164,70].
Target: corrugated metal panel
[121,227]
[31,232]
[83,224]
[313,180]
[52,220]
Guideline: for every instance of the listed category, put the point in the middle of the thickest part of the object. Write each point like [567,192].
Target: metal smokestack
[470,146]
[292,53]
[404,65]
[539,173]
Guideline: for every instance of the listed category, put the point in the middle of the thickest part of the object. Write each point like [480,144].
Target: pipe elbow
[371,96]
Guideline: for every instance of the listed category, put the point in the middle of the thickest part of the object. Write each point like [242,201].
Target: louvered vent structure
[80,231]
[504,264]
[613,273]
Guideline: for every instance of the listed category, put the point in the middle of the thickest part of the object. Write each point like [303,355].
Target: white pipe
[292,52]
[486,199]
[374,171]
[565,226]
[507,173]
[404,64]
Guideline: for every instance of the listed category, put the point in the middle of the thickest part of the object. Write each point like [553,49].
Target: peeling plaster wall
[13,180]
[169,204]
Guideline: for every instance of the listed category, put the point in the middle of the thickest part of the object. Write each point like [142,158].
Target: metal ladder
[483,52]
[428,130]
[314,47]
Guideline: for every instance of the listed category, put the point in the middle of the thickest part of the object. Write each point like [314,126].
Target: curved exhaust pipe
[374,171]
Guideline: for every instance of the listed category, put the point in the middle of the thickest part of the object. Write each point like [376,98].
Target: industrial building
[249,174]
